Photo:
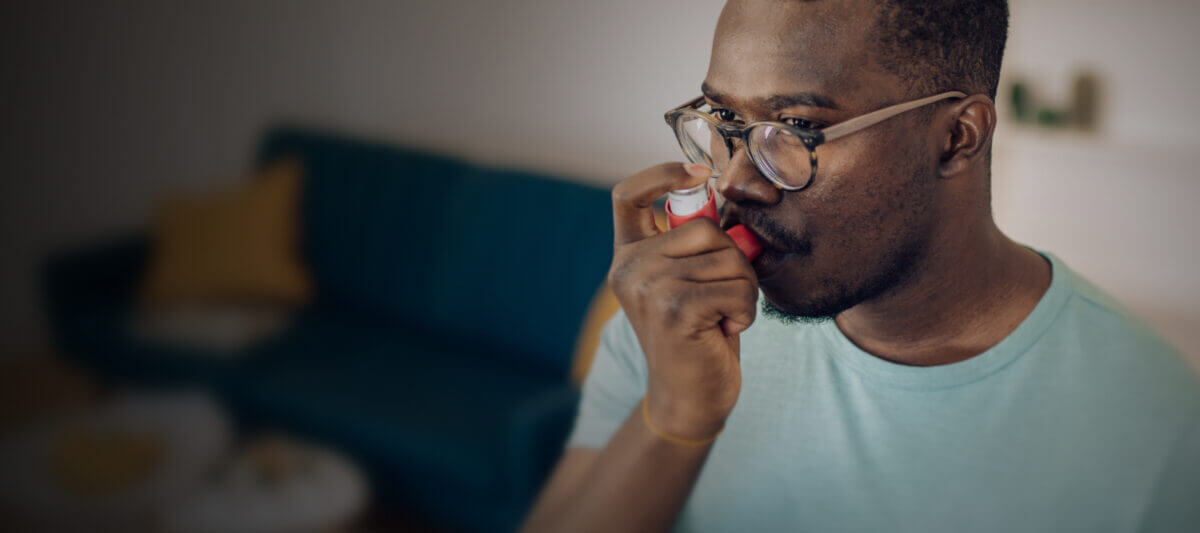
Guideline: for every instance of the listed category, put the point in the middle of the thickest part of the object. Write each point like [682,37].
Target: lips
[772,256]
[729,220]
[768,263]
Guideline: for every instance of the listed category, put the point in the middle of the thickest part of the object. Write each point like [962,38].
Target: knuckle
[635,274]
[620,193]
[705,226]
[749,292]
[714,235]
[727,263]
[614,278]
[620,274]
[699,232]
[672,305]
[708,261]
[642,289]
[729,256]
[618,267]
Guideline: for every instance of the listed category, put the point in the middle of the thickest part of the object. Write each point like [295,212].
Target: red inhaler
[700,201]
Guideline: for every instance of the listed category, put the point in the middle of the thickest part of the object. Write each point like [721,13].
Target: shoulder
[1110,326]
[1109,321]
[1112,341]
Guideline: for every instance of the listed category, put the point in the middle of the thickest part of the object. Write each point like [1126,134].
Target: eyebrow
[775,102]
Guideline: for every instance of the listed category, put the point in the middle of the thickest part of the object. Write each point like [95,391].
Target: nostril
[732,191]
[741,183]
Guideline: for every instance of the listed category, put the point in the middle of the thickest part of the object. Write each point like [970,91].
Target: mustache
[776,235]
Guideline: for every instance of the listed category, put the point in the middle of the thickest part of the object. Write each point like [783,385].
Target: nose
[741,182]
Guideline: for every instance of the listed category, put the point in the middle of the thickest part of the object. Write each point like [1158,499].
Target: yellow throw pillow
[239,245]
[604,305]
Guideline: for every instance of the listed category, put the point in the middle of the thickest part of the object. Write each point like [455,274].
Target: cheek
[867,195]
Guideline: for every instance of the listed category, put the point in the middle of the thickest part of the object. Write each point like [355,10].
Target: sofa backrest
[504,259]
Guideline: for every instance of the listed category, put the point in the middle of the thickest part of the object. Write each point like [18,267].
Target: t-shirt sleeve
[614,385]
[1175,505]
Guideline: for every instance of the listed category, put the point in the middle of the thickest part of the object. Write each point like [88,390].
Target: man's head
[886,197]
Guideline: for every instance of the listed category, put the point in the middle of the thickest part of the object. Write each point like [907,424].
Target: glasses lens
[782,154]
[702,143]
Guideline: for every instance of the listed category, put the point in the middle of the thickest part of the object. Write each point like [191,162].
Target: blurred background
[357,246]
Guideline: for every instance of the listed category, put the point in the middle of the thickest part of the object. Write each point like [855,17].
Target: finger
[720,265]
[695,237]
[633,198]
[728,304]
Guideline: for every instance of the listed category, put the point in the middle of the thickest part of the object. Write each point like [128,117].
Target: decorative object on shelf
[1080,113]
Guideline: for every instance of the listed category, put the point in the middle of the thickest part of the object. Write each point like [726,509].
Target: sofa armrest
[537,431]
[101,273]
[92,282]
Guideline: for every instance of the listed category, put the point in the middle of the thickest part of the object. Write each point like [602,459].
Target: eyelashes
[725,115]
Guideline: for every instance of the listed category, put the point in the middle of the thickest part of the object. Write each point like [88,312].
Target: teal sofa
[437,348]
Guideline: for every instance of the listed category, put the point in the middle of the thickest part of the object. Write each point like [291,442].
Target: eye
[801,123]
[724,115]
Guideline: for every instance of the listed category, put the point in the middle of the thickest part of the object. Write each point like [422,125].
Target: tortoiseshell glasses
[784,154]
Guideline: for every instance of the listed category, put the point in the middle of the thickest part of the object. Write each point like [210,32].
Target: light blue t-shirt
[1082,419]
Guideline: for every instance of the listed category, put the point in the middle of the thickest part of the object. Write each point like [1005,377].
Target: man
[919,370]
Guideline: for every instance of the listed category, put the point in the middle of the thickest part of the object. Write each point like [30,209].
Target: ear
[967,137]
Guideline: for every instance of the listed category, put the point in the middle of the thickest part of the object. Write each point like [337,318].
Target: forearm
[639,482]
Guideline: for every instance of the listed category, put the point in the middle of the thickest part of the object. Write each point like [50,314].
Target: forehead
[768,47]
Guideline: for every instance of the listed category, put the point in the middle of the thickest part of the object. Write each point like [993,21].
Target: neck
[965,295]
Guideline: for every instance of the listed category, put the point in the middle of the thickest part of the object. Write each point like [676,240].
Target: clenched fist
[688,293]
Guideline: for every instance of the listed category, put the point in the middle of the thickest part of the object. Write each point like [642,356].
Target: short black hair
[943,45]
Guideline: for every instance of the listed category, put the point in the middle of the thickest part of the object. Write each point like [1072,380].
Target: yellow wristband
[671,438]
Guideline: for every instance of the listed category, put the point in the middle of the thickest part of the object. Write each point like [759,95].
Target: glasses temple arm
[847,127]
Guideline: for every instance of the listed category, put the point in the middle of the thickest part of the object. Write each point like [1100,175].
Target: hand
[688,293]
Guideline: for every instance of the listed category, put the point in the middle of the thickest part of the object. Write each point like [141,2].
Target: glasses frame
[811,138]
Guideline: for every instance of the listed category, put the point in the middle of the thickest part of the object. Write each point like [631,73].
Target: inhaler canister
[701,201]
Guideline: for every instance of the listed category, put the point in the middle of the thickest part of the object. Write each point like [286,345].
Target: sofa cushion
[527,253]
[371,215]
[89,297]
[425,410]
[503,258]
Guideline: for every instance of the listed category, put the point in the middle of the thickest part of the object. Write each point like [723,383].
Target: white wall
[111,106]
[1118,205]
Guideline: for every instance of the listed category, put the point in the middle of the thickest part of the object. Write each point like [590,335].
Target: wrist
[683,420]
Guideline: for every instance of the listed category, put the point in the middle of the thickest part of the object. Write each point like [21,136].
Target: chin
[804,297]
[806,288]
